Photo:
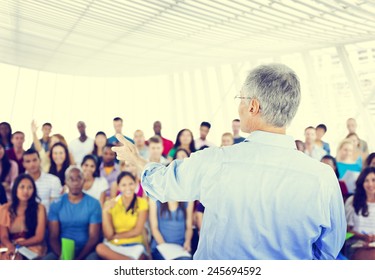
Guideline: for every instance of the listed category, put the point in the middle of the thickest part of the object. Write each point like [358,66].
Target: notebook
[171,251]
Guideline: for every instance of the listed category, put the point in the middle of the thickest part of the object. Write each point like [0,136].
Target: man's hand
[128,151]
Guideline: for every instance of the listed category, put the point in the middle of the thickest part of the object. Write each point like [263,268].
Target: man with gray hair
[263,199]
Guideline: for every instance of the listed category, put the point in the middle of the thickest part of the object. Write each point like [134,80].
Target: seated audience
[155,146]
[321,130]
[75,217]
[82,145]
[203,132]
[331,161]
[236,128]
[15,153]
[109,169]
[167,144]
[8,173]
[124,220]
[44,141]
[359,210]
[140,143]
[370,160]
[351,125]
[345,160]
[300,145]
[184,140]
[182,153]
[198,215]
[128,167]
[23,221]
[227,139]
[99,142]
[6,135]
[171,222]
[358,155]
[93,184]
[48,186]
[311,149]
[117,125]
[60,161]
[45,156]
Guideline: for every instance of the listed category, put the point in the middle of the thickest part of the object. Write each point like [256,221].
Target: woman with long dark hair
[171,222]
[370,160]
[8,173]
[184,140]
[93,185]
[99,144]
[60,161]
[6,135]
[23,221]
[360,215]
[124,220]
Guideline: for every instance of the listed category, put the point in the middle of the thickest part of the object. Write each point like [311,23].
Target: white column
[355,88]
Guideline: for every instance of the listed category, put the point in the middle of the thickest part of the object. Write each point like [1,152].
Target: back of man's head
[277,89]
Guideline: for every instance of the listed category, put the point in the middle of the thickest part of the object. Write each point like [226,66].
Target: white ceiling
[134,37]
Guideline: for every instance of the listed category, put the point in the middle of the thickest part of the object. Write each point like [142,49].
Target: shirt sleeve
[181,180]
[143,204]
[349,211]
[333,233]
[4,215]
[53,214]
[96,213]
[13,172]
[172,152]
[56,188]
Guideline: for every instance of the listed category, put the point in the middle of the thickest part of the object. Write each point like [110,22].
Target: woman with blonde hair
[345,160]
[227,139]
[358,154]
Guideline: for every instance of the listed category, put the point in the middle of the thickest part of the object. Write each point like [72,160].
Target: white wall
[179,100]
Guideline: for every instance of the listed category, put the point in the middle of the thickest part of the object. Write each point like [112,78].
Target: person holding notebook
[22,221]
[124,219]
[171,222]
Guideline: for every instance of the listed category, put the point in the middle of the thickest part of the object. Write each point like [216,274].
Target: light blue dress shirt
[263,198]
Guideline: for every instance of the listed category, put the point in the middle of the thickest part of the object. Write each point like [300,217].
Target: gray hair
[277,89]
[71,168]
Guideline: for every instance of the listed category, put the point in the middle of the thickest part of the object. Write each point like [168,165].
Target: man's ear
[254,106]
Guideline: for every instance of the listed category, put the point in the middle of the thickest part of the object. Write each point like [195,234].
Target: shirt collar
[272,139]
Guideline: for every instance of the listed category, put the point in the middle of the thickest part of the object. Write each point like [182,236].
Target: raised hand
[34,127]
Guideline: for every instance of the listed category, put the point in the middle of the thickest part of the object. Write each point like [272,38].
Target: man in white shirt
[311,149]
[202,140]
[155,145]
[263,199]
[81,146]
[48,186]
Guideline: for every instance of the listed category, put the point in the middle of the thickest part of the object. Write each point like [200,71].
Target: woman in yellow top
[124,218]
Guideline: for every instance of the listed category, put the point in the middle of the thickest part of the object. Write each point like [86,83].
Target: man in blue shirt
[75,216]
[263,198]
[117,125]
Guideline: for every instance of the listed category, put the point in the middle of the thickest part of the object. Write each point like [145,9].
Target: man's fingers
[122,139]
[117,149]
